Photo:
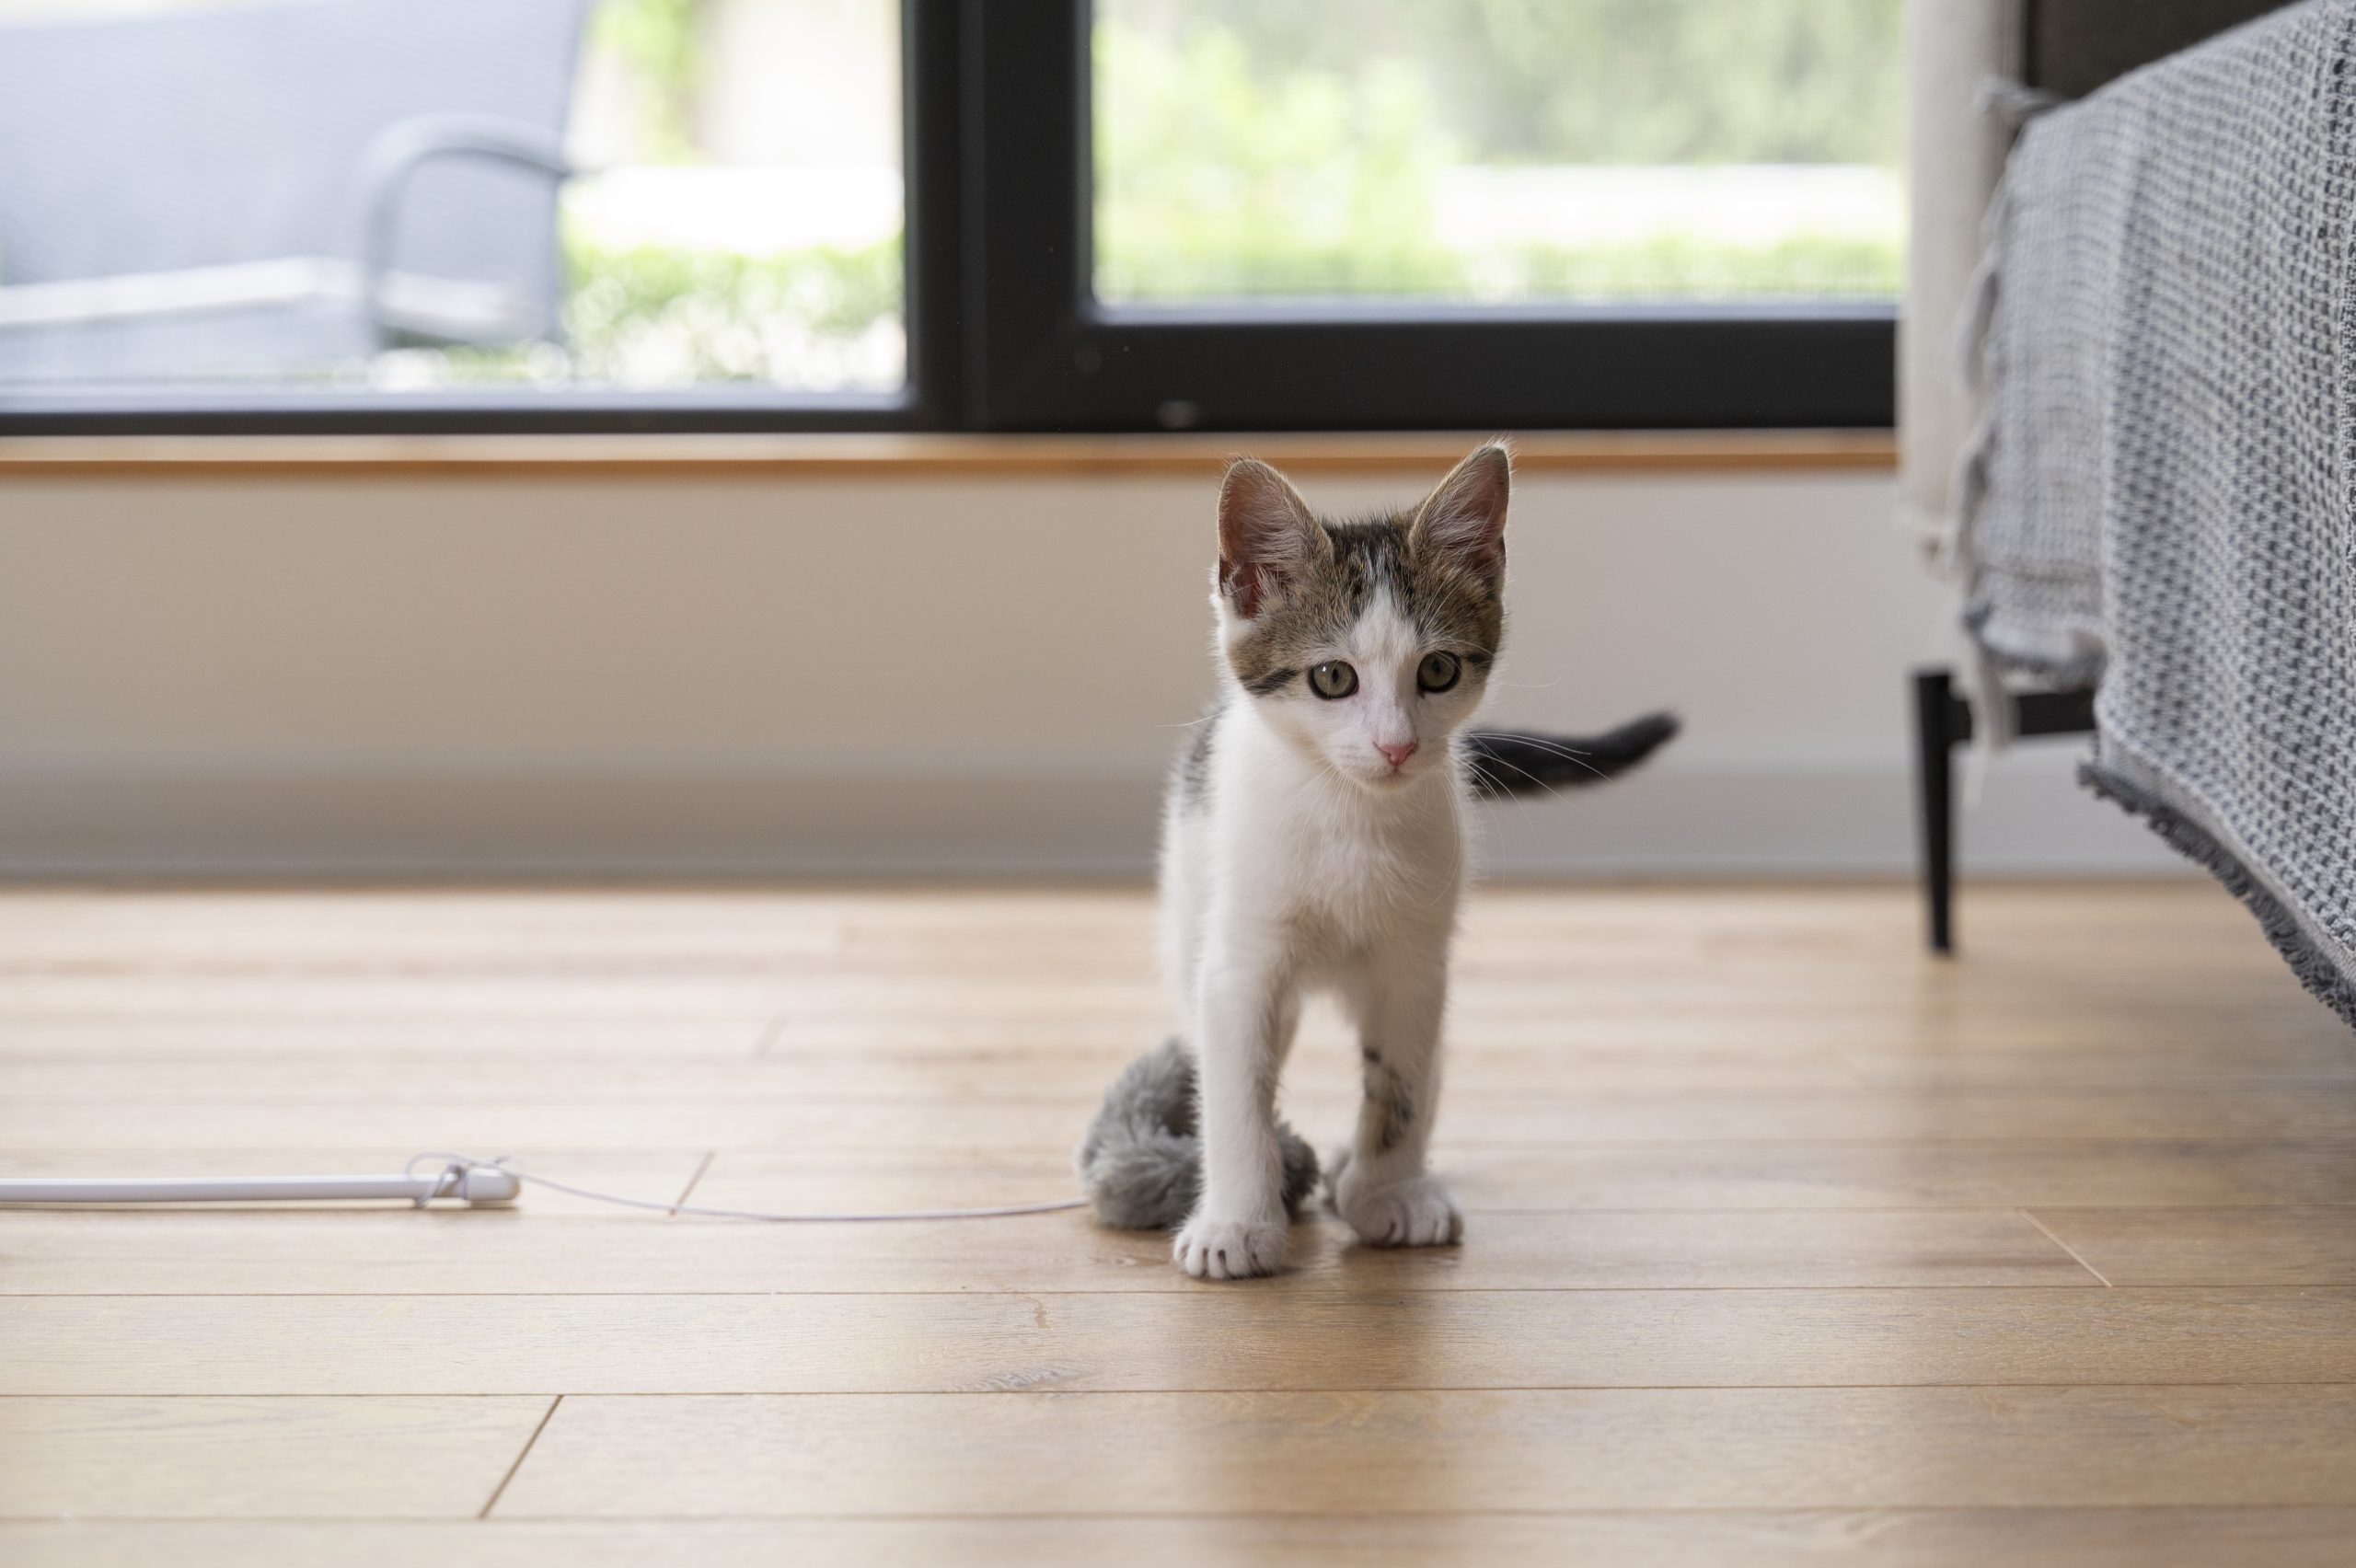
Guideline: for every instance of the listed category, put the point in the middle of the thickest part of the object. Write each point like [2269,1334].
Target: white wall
[530,674]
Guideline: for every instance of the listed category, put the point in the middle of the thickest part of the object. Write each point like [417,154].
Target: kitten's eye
[1438,671]
[1332,679]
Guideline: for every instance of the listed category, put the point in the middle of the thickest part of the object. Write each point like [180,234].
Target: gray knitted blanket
[2161,499]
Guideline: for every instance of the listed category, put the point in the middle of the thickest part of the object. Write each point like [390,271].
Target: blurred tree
[1250,149]
[1598,81]
[1214,179]
[662,42]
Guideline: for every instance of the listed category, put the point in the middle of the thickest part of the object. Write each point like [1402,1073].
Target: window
[436,209]
[1011,215]
[1495,150]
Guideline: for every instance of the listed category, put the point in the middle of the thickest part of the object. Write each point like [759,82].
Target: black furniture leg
[1934,740]
[1942,723]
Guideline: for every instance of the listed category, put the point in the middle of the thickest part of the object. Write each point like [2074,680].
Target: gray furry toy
[1141,1163]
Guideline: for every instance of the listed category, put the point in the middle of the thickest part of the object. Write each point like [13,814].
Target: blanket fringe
[2316,969]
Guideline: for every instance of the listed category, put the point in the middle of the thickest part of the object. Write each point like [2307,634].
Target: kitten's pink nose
[1398,753]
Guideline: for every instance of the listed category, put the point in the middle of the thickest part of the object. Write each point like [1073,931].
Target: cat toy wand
[483,1183]
[479,1185]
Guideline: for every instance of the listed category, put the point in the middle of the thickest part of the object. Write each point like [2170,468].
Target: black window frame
[1004,332]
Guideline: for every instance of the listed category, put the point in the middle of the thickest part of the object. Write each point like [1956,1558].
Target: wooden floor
[1785,1244]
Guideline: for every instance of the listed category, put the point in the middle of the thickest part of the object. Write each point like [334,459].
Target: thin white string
[456,1166]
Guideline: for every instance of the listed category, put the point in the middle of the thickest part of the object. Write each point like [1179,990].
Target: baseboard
[483,820]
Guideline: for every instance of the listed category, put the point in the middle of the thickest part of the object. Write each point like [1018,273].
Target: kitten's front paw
[1414,1212]
[1229,1248]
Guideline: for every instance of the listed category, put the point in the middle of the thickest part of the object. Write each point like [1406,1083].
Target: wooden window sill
[894,455]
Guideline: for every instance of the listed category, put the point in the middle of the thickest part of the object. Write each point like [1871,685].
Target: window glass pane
[199,195]
[1498,151]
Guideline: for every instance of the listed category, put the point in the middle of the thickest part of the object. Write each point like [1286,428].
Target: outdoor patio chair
[278,191]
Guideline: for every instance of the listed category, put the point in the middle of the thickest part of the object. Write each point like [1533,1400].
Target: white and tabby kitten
[1314,840]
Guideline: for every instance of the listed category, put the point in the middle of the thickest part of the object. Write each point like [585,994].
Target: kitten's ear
[1266,535]
[1465,517]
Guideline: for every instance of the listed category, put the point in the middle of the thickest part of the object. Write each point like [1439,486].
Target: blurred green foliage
[716,316]
[1592,81]
[1247,148]
[660,41]
[1244,148]
[830,289]
[1212,178]
[1690,267]
[656,315]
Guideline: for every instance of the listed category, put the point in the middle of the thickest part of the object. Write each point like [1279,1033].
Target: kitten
[1314,838]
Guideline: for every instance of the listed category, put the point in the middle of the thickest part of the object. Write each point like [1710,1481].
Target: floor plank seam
[501,1489]
[1632,1511]
[688,1191]
[2326,1143]
[2048,1231]
[227,1211]
[1795,1510]
[1036,1390]
[1309,1294]
[1732,1510]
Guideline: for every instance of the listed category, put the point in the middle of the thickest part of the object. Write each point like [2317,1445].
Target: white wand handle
[476,1184]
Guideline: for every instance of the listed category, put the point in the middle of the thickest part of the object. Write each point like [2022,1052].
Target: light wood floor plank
[930,1074]
[2273,1246]
[1197,1339]
[577,1111]
[293,1252]
[558,1014]
[268,1045]
[272,1459]
[1054,1453]
[918,1105]
[625,1101]
[286,996]
[2094,1174]
[2215,1066]
[1722,1176]
[2040,1538]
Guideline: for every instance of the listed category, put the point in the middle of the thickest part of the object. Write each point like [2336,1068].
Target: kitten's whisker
[1543,784]
[1544,743]
[1551,748]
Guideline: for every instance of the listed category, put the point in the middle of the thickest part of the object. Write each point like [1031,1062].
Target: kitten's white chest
[1343,870]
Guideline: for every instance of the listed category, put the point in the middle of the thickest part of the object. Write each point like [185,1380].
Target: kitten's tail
[1519,761]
